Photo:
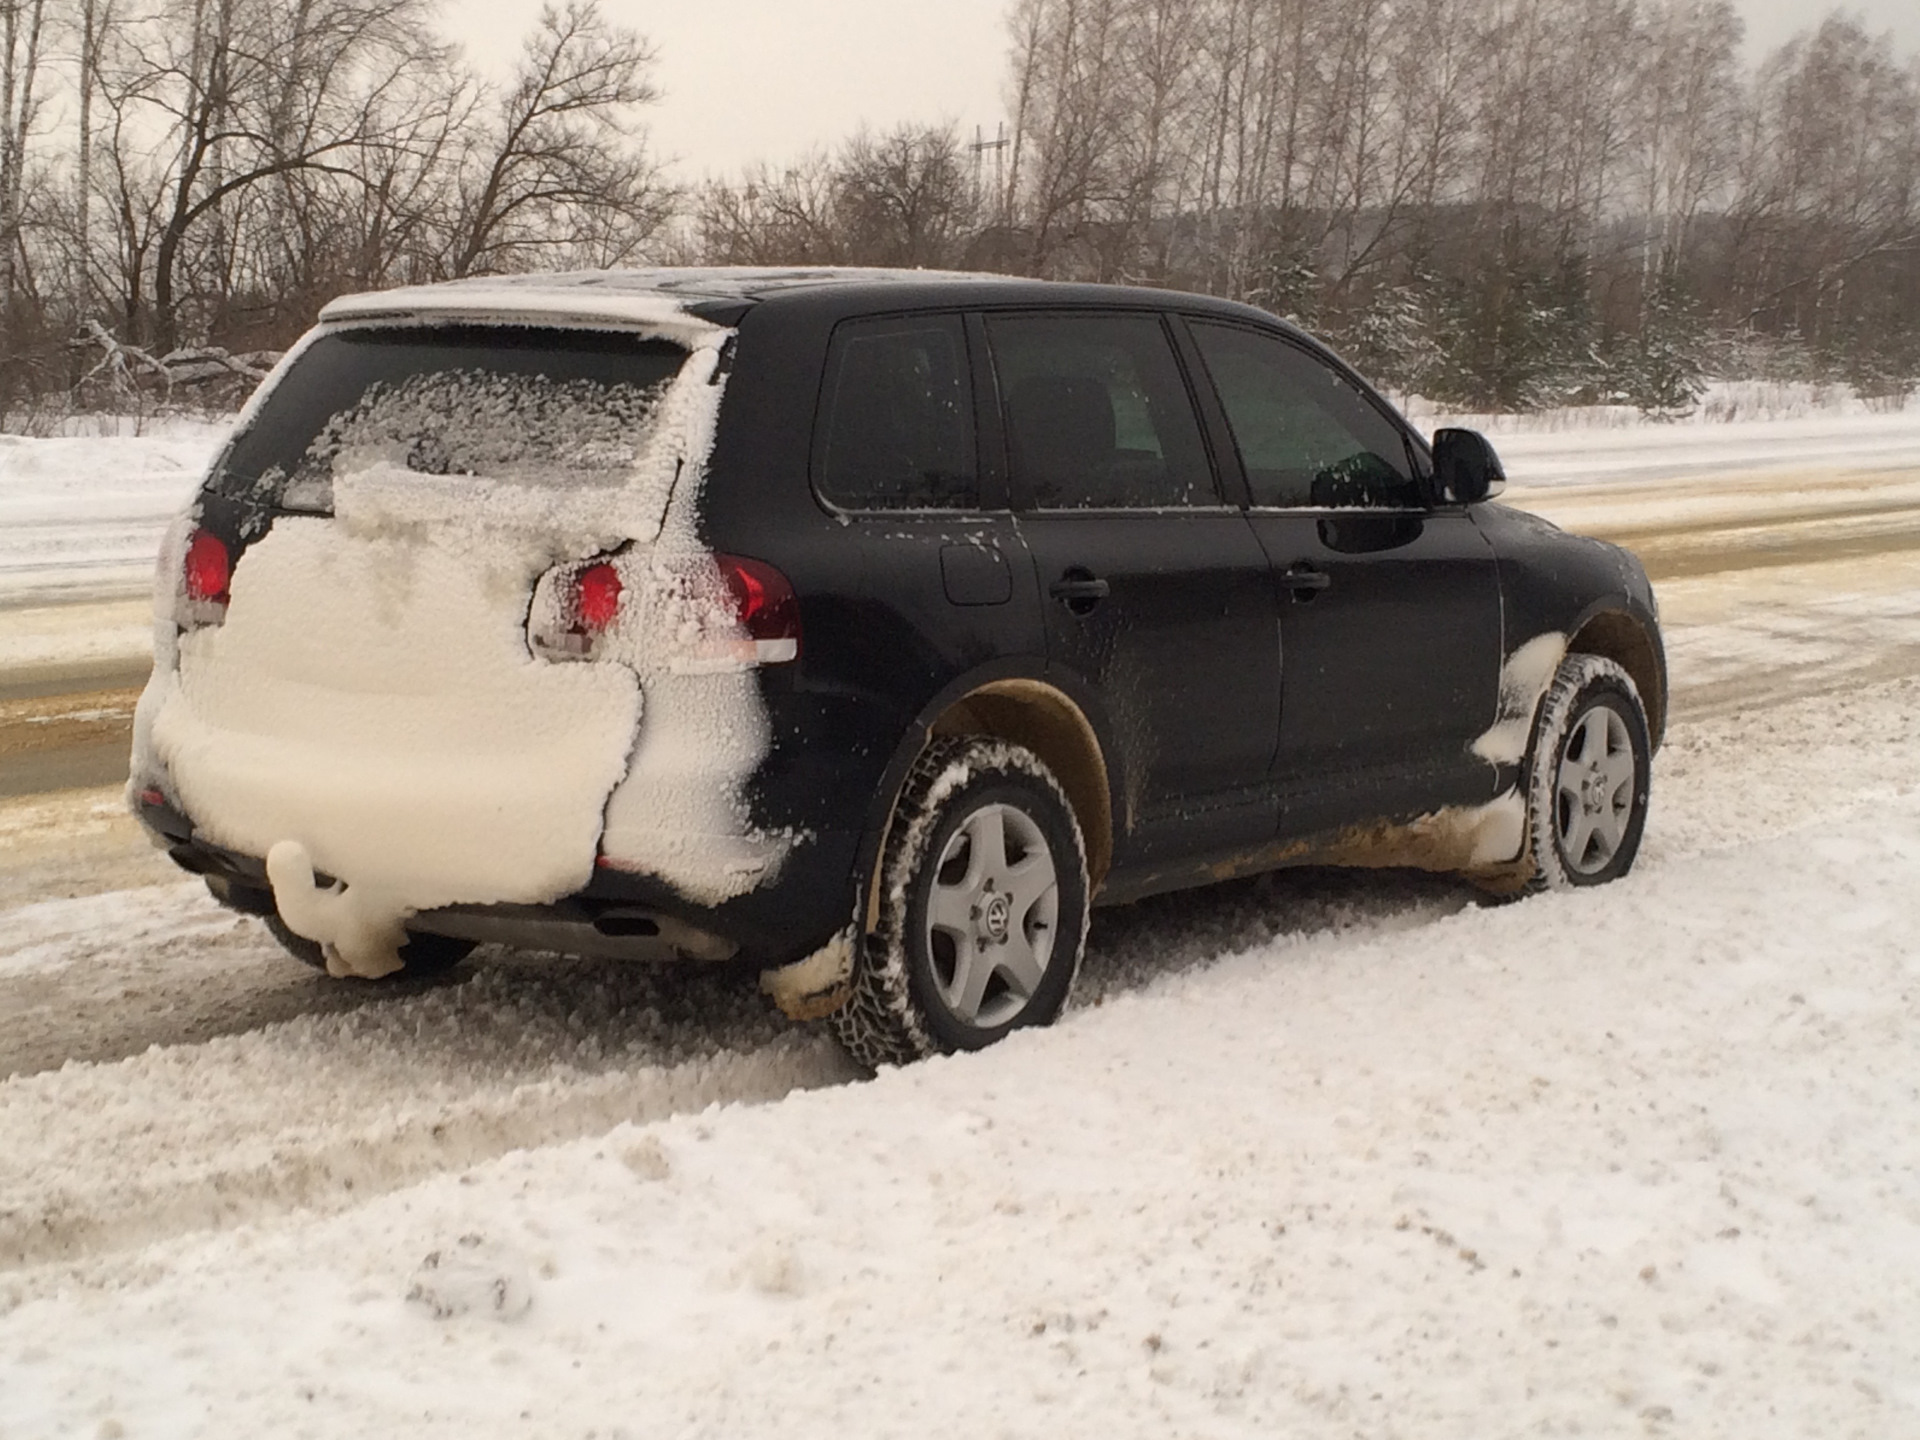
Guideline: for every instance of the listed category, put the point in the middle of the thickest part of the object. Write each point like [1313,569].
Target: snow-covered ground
[1739,427]
[1318,1154]
[81,516]
[1314,1155]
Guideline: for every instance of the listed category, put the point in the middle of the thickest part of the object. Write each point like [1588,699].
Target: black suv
[868,626]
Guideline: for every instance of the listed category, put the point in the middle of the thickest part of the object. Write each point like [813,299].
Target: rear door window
[897,432]
[1097,414]
[1306,436]
[538,407]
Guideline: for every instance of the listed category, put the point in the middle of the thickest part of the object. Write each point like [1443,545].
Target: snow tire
[916,990]
[1587,775]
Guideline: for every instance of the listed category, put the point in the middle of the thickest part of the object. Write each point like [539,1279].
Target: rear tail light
[205,580]
[720,613]
[574,608]
[596,597]
[765,607]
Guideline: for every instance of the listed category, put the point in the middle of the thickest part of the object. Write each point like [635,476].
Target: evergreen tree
[1661,368]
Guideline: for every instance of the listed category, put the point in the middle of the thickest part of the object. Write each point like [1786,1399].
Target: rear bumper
[619,915]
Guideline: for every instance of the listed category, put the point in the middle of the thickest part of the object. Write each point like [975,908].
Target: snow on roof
[657,299]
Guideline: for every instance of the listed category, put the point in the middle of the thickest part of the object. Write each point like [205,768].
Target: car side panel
[1555,583]
[1391,671]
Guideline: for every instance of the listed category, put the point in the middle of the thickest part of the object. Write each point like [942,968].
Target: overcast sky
[769,79]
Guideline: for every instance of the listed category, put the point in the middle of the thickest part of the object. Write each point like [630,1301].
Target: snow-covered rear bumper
[464,823]
[396,726]
[616,915]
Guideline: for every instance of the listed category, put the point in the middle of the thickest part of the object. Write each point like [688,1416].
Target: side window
[898,429]
[1305,435]
[1097,415]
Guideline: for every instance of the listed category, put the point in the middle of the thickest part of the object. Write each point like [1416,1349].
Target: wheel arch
[1046,721]
[1015,707]
[1622,637]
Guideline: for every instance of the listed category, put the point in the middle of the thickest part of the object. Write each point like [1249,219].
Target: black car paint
[904,613]
[1553,582]
[886,651]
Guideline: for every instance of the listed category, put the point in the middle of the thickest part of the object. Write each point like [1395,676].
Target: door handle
[1079,590]
[1305,582]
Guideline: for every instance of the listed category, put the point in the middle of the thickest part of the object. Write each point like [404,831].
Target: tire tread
[882,1023]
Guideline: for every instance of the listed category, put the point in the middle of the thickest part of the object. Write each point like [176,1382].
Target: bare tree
[562,166]
[1825,234]
[252,92]
[22,26]
[902,198]
[1685,121]
[772,217]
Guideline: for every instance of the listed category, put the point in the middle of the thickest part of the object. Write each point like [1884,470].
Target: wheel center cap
[995,917]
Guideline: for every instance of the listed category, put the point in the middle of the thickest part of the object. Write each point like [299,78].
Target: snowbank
[1739,425]
[81,516]
[1664,452]
[1722,401]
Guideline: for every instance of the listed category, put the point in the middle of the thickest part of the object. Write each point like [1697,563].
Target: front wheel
[1587,776]
[982,907]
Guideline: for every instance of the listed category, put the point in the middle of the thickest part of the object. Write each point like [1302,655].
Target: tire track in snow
[323,1111]
[64,742]
[63,1222]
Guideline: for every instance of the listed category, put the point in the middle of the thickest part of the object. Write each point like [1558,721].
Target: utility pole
[979,147]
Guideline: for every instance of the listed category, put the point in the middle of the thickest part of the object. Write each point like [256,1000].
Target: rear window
[550,408]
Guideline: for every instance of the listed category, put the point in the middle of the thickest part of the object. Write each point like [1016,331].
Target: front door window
[1306,437]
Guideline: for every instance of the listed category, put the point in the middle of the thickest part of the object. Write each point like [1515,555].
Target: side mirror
[1465,469]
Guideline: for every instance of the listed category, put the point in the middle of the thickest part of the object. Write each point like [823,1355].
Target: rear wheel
[1587,776]
[421,955]
[982,907]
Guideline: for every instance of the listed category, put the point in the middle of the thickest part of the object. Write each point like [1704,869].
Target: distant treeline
[1497,203]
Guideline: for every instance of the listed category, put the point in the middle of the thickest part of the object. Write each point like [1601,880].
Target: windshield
[549,408]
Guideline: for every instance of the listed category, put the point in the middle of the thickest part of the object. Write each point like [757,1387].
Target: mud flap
[815,987]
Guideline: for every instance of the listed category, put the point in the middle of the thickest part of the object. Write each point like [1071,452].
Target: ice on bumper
[371,697]
[360,929]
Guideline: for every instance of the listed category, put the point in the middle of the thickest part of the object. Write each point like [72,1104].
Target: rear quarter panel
[883,646]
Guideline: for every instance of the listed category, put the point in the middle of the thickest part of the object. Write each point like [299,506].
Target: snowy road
[1316,1153]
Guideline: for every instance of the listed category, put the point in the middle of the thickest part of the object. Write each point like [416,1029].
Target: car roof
[703,298]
